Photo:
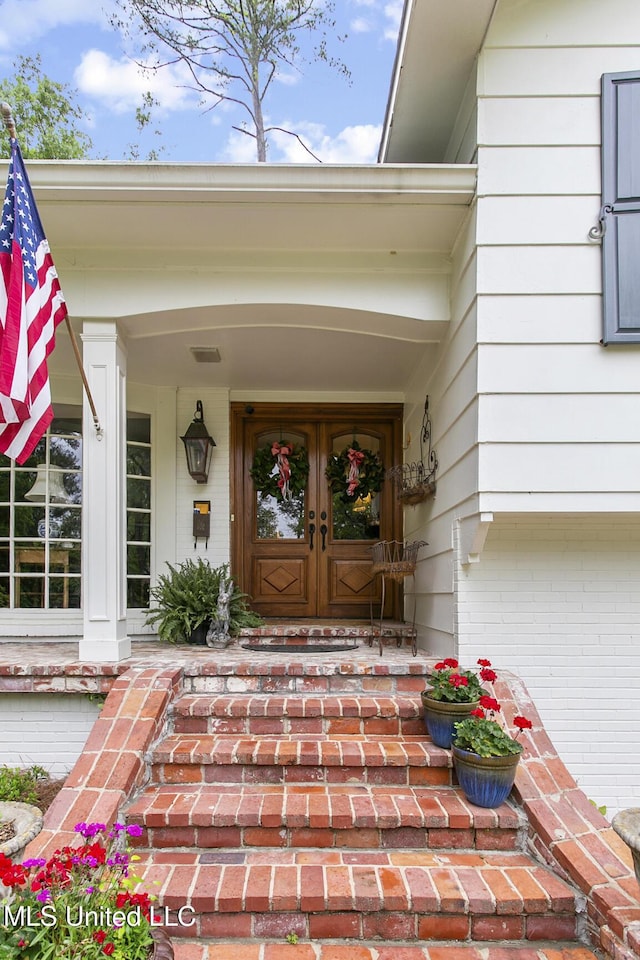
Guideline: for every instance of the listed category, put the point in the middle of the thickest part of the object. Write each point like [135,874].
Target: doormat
[299,647]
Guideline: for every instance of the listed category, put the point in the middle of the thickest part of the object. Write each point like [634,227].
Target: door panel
[280,560]
[310,556]
[346,584]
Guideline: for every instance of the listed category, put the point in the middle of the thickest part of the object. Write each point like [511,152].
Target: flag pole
[9,123]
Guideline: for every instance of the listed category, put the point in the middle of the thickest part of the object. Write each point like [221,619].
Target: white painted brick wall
[557,601]
[45,729]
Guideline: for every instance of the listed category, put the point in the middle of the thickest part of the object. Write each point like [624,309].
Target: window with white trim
[41,520]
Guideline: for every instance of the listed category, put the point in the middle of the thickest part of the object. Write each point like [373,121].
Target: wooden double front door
[310,555]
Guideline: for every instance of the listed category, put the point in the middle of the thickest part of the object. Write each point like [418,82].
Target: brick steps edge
[353,815]
[396,895]
[284,950]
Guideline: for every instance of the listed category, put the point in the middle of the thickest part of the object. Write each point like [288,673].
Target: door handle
[312,530]
[323,533]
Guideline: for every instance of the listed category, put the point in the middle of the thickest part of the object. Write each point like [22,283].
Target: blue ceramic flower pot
[440,718]
[486,781]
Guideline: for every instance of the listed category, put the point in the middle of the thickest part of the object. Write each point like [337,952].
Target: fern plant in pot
[185,600]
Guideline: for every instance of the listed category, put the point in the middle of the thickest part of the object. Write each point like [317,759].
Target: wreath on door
[355,473]
[280,470]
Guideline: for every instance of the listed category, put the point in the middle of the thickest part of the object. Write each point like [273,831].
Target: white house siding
[556,600]
[449,379]
[556,427]
[45,729]
[554,593]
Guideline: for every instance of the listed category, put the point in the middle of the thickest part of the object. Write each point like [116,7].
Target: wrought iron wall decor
[416,481]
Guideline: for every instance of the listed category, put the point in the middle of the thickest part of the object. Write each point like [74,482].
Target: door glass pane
[280,503]
[355,500]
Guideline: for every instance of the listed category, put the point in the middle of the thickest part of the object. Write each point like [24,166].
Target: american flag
[31,307]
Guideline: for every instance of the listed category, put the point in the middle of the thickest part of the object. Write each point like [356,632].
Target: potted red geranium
[485,755]
[451,696]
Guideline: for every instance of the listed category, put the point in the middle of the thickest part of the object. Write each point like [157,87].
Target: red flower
[488,675]
[479,713]
[13,876]
[457,681]
[99,936]
[450,662]
[484,663]
[522,723]
[108,949]
[490,703]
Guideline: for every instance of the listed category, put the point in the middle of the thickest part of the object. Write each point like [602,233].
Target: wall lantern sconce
[198,446]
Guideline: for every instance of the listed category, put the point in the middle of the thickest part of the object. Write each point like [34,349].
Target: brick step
[239,950]
[262,714]
[354,895]
[353,630]
[353,815]
[183,758]
[363,673]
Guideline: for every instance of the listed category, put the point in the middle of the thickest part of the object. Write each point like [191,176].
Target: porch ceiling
[314,277]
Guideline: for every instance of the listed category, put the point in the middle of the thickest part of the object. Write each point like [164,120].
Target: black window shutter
[621,206]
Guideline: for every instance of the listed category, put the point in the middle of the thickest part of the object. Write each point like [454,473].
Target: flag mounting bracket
[9,123]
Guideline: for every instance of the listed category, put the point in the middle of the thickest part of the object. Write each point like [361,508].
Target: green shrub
[19,784]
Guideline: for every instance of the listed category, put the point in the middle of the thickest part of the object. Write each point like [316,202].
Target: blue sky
[341,122]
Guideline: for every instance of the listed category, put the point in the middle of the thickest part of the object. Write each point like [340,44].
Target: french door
[309,555]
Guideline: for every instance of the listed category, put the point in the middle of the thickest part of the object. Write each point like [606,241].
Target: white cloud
[354,144]
[361,25]
[393,13]
[31,19]
[119,84]
[239,148]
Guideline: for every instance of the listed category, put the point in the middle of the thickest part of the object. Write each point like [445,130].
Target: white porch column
[104,499]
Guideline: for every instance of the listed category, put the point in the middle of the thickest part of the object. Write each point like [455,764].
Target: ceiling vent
[205,354]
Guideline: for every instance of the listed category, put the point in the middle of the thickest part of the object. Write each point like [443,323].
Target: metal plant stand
[395,559]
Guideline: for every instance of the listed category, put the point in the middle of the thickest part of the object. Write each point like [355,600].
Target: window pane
[64,559]
[4,591]
[4,521]
[280,519]
[138,493]
[5,485]
[137,593]
[29,592]
[24,481]
[139,428]
[68,426]
[5,553]
[138,559]
[29,522]
[66,452]
[138,526]
[65,523]
[138,460]
[64,592]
